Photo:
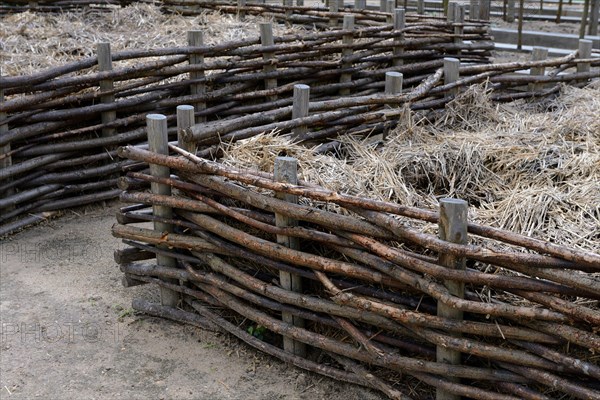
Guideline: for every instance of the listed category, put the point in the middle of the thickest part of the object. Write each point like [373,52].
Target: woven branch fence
[384,304]
[59,128]
[359,294]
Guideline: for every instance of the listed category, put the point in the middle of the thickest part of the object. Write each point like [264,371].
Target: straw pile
[526,167]
[33,41]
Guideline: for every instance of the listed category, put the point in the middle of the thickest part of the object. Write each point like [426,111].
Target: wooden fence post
[459,28]
[382,5]
[158,143]
[5,149]
[584,19]
[393,85]
[300,107]
[334,7]
[399,24]
[420,7]
[347,40]
[585,51]
[107,85]
[266,39]
[286,169]
[520,25]
[474,10]
[195,39]
[510,11]
[450,14]
[360,4]
[484,10]
[594,15]
[393,82]
[451,71]
[453,228]
[185,119]
[538,54]
[389,8]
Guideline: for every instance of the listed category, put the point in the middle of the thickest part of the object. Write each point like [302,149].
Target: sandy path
[68,331]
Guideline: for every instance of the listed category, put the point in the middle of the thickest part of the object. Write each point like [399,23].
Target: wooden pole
[450,14]
[347,52]
[185,119]
[393,82]
[559,11]
[334,7]
[420,7]
[399,24]
[510,11]
[360,4]
[453,228]
[584,52]
[475,8]
[451,68]
[584,18]
[538,54]
[105,64]
[6,161]
[300,107]
[520,28]
[286,171]
[158,143]
[393,85]
[382,5]
[459,20]
[195,38]
[484,10]
[266,39]
[389,9]
[445,5]
[594,16]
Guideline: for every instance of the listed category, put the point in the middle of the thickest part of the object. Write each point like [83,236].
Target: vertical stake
[360,4]
[453,228]
[520,25]
[510,11]
[185,119]
[538,54]
[241,13]
[399,25]
[266,39]
[347,40]
[105,64]
[450,16]
[195,39]
[382,5]
[393,85]
[300,107]
[484,10]
[393,82]
[7,161]
[459,27]
[158,143]
[451,72]
[594,16]
[585,51]
[389,8]
[334,7]
[584,19]
[286,169]
[421,7]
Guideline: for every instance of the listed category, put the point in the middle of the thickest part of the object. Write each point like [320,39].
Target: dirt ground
[68,331]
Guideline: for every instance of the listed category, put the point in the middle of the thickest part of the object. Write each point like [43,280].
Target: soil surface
[68,331]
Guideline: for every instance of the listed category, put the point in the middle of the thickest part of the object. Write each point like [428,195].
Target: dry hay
[529,170]
[33,41]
